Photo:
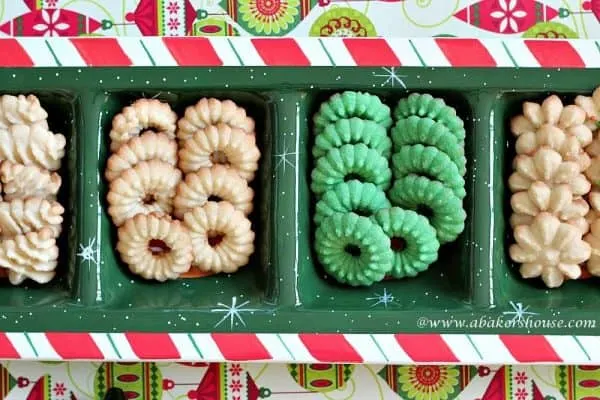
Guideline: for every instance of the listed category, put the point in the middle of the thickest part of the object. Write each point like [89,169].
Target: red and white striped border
[241,51]
[303,348]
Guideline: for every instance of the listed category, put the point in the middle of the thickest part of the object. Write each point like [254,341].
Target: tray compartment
[63,108]
[509,284]
[448,282]
[285,290]
[120,288]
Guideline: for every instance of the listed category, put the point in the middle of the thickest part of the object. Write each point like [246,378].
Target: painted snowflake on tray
[385,298]
[391,77]
[89,253]
[519,312]
[232,312]
[283,160]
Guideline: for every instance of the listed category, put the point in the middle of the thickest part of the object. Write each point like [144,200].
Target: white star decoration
[391,77]
[89,253]
[385,298]
[233,312]
[519,311]
[282,159]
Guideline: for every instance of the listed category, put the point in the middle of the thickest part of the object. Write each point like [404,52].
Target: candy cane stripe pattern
[305,348]
[299,52]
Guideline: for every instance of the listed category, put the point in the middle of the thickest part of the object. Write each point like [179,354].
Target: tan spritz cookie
[220,144]
[142,115]
[593,238]
[549,249]
[33,255]
[557,200]
[147,146]
[552,111]
[222,237]
[22,181]
[21,110]
[20,216]
[591,106]
[568,146]
[211,111]
[217,183]
[155,247]
[547,165]
[32,145]
[146,188]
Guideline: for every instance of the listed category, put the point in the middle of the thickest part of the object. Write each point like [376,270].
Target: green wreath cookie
[419,193]
[425,105]
[353,196]
[351,161]
[352,104]
[412,240]
[353,131]
[416,130]
[353,249]
[429,161]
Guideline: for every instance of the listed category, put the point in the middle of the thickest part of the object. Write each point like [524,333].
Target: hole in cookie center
[149,199]
[215,238]
[353,250]
[398,244]
[157,247]
[219,157]
[363,212]
[352,176]
[425,211]
[214,198]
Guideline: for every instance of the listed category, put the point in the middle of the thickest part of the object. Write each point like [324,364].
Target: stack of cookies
[591,106]
[143,176]
[550,213]
[363,237]
[30,217]
[180,195]
[429,163]
[219,157]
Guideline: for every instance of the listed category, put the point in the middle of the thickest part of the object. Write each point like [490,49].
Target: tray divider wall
[483,176]
[291,223]
[88,263]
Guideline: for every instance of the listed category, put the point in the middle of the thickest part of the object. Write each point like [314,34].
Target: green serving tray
[284,289]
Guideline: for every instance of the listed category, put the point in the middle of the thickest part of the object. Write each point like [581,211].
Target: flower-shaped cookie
[591,106]
[552,111]
[547,165]
[550,249]
[593,239]
[557,200]
[555,138]
[593,171]
[594,203]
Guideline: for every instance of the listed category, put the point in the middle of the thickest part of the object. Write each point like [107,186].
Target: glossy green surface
[282,290]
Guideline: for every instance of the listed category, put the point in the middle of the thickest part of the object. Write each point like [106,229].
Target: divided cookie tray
[473,289]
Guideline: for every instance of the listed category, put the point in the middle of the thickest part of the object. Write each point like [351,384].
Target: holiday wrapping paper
[299,18]
[232,381]
[386,18]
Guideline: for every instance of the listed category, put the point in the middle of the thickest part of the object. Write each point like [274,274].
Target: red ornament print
[235,369]
[235,385]
[506,16]
[521,394]
[173,7]
[59,389]
[173,23]
[520,378]
[49,22]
